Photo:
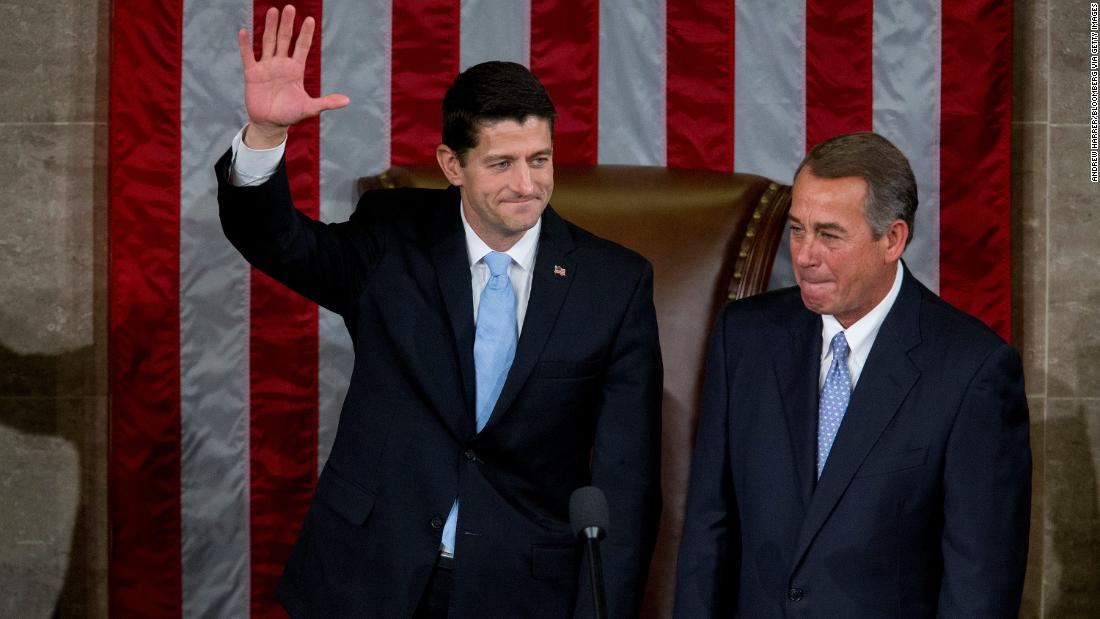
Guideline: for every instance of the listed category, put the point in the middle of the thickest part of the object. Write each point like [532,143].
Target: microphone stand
[595,571]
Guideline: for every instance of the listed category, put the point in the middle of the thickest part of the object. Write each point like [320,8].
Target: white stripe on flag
[495,30]
[214,289]
[907,112]
[770,99]
[632,99]
[355,141]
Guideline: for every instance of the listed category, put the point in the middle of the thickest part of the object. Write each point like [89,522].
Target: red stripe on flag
[699,84]
[283,366]
[565,36]
[839,86]
[424,63]
[144,220]
[975,121]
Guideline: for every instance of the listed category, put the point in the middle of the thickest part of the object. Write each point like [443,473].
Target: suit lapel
[883,385]
[797,367]
[548,292]
[452,267]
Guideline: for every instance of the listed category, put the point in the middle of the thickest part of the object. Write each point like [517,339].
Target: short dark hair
[891,186]
[489,92]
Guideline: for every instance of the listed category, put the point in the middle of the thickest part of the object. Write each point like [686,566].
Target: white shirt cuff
[253,167]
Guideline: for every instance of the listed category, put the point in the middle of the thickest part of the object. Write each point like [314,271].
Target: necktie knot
[839,346]
[497,262]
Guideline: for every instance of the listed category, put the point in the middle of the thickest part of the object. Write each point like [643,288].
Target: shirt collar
[522,253]
[863,331]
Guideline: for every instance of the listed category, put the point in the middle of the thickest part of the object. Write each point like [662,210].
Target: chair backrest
[711,237]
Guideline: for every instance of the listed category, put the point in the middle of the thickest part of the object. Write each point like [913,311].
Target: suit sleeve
[627,455]
[709,557]
[987,494]
[326,263]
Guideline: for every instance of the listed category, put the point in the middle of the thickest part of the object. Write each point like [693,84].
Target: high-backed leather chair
[711,237]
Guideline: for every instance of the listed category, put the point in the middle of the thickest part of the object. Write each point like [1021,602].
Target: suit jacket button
[437,522]
[471,455]
[795,594]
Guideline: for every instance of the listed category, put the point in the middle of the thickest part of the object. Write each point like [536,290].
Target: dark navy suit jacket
[923,506]
[581,405]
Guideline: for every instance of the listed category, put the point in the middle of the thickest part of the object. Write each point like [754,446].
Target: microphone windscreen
[588,508]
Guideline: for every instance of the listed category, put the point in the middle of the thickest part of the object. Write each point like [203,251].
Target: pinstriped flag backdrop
[226,388]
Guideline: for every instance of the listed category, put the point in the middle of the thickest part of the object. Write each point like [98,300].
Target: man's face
[840,267]
[506,181]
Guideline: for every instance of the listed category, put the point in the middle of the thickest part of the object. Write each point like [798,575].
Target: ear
[895,238]
[449,163]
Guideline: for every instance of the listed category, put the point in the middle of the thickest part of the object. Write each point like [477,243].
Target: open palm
[274,88]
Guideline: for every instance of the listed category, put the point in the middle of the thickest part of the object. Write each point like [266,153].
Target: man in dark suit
[862,446]
[504,357]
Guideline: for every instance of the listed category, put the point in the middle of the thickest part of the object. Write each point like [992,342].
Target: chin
[816,305]
[526,219]
[519,227]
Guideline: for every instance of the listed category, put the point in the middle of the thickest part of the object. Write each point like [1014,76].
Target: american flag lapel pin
[559,270]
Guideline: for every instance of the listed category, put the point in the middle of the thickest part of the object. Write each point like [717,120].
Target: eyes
[826,234]
[541,161]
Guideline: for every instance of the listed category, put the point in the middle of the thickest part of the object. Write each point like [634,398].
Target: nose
[803,253]
[521,180]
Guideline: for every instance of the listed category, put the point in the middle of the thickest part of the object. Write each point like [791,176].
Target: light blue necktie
[495,340]
[494,349]
[834,399]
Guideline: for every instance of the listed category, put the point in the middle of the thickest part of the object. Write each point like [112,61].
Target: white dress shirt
[251,166]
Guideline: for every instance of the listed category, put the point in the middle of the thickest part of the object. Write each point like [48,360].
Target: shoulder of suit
[762,322]
[944,322]
[773,307]
[405,212]
[401,204]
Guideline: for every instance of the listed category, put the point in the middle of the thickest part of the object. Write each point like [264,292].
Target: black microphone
[588,515]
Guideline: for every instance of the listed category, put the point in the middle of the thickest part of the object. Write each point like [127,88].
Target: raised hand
[274,86]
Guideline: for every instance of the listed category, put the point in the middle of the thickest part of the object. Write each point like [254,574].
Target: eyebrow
[546,152]
[828,226]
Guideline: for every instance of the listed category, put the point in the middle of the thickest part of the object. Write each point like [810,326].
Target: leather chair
[711,237]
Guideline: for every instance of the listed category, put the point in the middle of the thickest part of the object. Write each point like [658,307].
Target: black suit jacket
[923,506]
[581,405]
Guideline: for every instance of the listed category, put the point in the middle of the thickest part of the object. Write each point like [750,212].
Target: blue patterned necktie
[494,349]
[834,400]
[495,340]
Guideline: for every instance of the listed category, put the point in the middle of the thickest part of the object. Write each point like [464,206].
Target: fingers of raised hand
[245,43]
[333,101]
[305,40]
[286,31]
[271,29]
[278,32]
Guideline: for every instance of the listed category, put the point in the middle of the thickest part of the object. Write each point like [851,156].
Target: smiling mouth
[524,201]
